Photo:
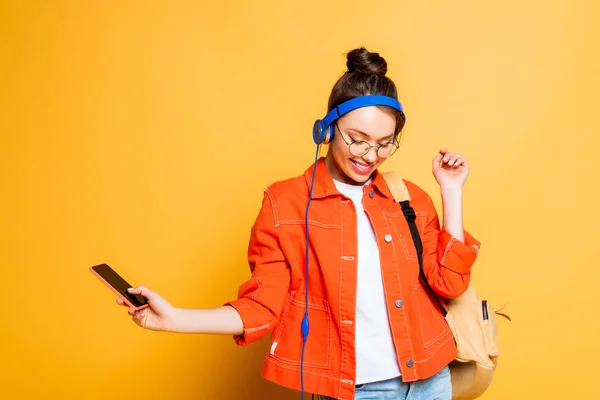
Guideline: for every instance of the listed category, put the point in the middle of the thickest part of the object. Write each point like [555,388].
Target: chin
[361,179]
[354,178]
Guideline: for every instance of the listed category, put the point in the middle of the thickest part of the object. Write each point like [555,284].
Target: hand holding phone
[147,308]
[119,286]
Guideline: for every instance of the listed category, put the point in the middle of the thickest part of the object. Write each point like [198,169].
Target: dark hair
[365,75]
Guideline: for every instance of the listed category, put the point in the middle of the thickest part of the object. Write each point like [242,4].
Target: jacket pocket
[401,228]
[287,342]
[432,323]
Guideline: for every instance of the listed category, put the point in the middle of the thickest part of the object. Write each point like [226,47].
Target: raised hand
[450,169]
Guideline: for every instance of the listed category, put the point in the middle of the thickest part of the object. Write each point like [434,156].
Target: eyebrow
[390,136]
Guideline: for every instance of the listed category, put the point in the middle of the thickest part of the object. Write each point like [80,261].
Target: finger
[460,161]
[121,302]
[143,319]
[144,291]
[138,317]
[437,160]
[453,159]
[447,156]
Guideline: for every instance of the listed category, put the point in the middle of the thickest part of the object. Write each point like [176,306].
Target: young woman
[374,332]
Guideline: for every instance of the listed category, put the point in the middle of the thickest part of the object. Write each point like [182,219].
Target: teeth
[361,166]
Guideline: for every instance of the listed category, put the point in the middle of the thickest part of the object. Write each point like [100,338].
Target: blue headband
[323,128]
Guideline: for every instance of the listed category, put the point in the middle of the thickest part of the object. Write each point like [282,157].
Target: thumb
[144,291]
[438,159]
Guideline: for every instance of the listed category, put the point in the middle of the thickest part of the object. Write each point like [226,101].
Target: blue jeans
[437,387]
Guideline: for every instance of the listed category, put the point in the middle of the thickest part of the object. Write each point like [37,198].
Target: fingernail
[130,288]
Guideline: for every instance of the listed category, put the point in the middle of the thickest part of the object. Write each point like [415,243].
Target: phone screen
[119,284]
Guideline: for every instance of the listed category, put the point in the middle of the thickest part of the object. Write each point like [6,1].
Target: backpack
[472,321]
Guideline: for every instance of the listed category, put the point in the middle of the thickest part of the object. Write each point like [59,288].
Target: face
[370,124]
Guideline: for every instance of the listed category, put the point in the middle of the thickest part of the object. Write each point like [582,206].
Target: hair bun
[363,61]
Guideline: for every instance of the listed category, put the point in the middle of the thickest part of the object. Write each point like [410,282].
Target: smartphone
[119,286]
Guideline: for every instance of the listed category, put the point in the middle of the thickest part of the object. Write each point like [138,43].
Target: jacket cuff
[456,255]
[252,331]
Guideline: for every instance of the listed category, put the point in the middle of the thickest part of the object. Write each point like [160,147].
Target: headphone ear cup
[318,132]
[328,136]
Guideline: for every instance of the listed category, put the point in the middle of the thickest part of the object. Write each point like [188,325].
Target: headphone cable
[305,319]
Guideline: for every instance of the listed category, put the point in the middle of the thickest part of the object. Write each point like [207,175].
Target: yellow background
[141,134]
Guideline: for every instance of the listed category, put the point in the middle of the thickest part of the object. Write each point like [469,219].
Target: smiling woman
[372,324]
[355,165]
[144,137]
[359,128]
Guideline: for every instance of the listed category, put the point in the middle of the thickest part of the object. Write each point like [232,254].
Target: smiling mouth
[362,168]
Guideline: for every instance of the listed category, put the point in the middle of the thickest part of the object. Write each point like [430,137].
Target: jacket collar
[324,185]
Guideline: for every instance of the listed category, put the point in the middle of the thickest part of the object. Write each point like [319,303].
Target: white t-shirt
[375,353]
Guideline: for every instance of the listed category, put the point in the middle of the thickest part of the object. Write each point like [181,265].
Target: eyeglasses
[361,148]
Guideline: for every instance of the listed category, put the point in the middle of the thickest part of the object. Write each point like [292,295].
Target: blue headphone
[323,134]
[323,128]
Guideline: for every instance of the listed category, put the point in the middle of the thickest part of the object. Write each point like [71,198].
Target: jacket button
[371,194]
[398,303]
[410,363]
[388,238]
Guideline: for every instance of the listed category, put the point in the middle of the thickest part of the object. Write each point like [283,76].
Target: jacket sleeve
[262,297]
[446,260]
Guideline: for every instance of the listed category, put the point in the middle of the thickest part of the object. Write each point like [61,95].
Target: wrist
[451,189]
[173,320]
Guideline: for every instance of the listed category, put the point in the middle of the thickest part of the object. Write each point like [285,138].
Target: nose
[371,155]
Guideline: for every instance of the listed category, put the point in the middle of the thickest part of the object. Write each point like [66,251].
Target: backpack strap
[396,186]
[401,195]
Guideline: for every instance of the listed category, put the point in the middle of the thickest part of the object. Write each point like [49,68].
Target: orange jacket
[273,299]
